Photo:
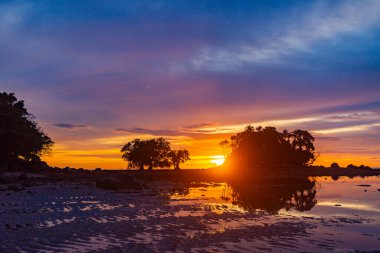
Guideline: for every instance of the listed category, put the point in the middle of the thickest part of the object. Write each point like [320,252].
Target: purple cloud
[69,126]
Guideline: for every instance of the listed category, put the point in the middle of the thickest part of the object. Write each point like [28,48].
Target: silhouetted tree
[159,150]
[20,135]
[266,147]
[226,148]
[135,152]
[351,167]
[303,144]
[178,156]
[286,135]
[152,153]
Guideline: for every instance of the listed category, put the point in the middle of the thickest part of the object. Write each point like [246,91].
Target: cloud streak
[320,23]
[69,126]
[155,132]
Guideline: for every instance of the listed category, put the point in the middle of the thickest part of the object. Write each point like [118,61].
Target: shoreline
[26,179]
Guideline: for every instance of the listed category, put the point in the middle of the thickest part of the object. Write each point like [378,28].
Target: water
[303,215]
[339,215]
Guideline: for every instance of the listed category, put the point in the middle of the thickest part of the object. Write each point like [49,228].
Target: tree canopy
[20,135]
[266,147]
[152,153]
[178,156]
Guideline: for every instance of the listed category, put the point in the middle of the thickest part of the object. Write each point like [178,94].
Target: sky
[97,74]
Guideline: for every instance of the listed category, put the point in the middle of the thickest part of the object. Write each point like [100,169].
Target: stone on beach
[15,187]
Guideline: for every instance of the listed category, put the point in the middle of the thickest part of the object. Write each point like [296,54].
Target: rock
[27,183]
[108,183]
[4,179]
[23,177]
[15,187]
[118,183]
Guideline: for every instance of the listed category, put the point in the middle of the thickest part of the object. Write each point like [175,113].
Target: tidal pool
[298,215]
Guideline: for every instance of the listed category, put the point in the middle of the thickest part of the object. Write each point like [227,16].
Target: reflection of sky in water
[347,196]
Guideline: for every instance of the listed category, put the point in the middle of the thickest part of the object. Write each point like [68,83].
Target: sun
[217,159]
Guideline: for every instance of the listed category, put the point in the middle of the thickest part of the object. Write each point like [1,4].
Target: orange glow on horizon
[100,147]
[218,160]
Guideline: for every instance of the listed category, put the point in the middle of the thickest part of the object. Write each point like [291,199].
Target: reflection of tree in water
[273,195]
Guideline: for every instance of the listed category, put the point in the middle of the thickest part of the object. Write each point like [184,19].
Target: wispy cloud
[327,138]
[69,126]
[194,126]
[319,125]
[155,132]
[12,15]
[347,129]
[194,132]
[353,116]
[322,22]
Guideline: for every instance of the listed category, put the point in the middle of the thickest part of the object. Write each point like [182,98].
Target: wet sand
[180,217]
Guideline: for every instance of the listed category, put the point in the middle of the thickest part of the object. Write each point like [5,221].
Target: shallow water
[311,215]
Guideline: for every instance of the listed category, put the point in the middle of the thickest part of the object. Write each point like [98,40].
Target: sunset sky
[97,74]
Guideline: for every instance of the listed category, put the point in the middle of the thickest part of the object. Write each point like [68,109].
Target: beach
[66,216]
